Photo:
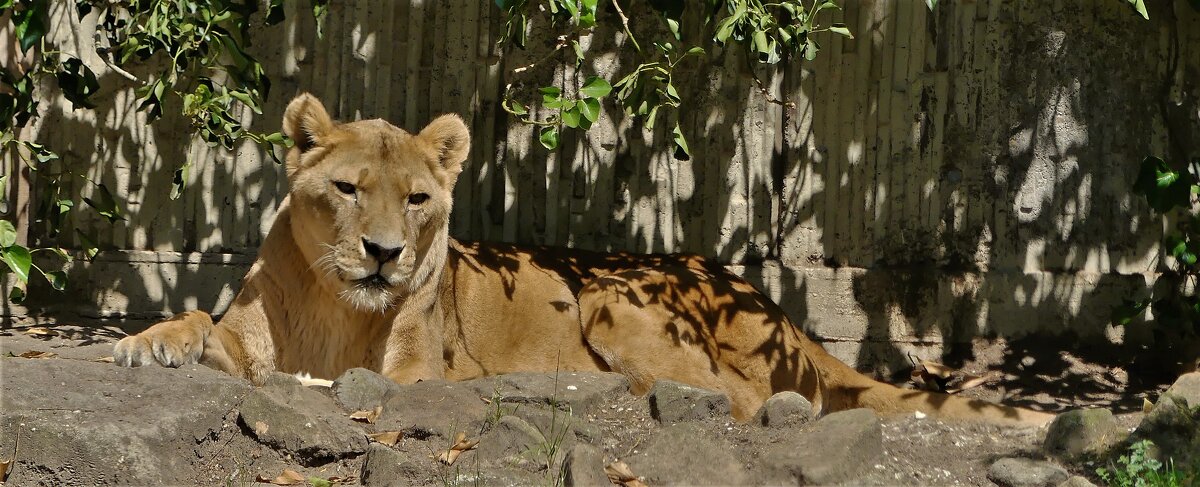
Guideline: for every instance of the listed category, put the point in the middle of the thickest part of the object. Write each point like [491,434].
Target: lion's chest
[327,342]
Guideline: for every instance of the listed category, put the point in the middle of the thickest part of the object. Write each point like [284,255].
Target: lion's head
[370,203]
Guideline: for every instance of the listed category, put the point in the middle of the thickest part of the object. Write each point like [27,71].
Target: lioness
[359,270]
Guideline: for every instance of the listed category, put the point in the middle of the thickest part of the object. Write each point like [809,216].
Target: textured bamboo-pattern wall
[976,157]
[971,134]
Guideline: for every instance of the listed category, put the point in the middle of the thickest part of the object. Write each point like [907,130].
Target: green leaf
[78,83]
[8,234]
[1177,246]
[275,13]
[319,482]
[549,138]
[570,117]
[1129,310]
[16,295]
[277,138]
[931,4]
[595,87]
[578,52]
[89,246]
[681,147]
[247,100]
[518,108]
[1140,7]
[590,109]
[57,279]
[30,23]
[105,204]
[810,49]
[1164,188]
[843,30]
[18,260]
[179,180]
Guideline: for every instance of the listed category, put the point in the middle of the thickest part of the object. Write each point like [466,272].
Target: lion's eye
[417,198]
[344,187]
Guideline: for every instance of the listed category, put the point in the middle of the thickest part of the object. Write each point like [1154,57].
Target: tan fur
[443,309]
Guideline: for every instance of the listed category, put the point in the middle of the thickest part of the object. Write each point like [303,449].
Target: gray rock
[301,421]
[280,379]
[1077,481]
[386,466]
[85,423]
[685,454]
[1172,426]
[556,424]
[575,391]
[672,402]
[1186,387]
[361,389]
[513,441]
[432,409]
[584,466]
[1083,433]
[838,448]
[1025,472]
[784,408]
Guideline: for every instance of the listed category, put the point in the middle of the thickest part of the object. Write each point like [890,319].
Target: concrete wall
[943,176]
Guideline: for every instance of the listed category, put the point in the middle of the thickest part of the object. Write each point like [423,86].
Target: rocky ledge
[71,418]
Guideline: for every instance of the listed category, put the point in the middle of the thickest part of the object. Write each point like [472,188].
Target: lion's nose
[380,253]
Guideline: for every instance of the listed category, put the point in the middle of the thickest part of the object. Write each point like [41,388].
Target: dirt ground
[916,450]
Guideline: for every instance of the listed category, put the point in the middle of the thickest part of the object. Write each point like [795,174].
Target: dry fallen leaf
[618,472]
[37,354]
[933,376]
[1147,405]
[40,332]
[105,360]
[288,477]
[461,444]
[366,416]
[388,438]
[968,381]
[260,428]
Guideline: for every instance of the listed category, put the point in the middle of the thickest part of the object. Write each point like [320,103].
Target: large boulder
[686,454]
[386,466]
[783,409]
[433,408]
[1083,433]
[574,391]
[837,448]
[361,389]
[673,402]
[1174,428]
[84,423]
[301,422]
[1186,387]
[584,466]
[1025,472]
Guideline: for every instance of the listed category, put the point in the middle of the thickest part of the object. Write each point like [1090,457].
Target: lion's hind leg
[646,324]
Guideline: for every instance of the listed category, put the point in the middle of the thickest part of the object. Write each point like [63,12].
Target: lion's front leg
[179,340]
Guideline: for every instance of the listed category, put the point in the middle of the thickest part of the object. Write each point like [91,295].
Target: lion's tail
[843,388]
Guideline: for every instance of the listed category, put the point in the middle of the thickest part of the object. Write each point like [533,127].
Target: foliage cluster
[1138,468]
[198,50]
[766,32]
[1170,190]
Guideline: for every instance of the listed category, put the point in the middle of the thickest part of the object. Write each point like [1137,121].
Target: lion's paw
[171,343]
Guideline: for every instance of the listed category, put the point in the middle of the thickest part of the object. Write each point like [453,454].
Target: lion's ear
[449,135]
[305,122]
